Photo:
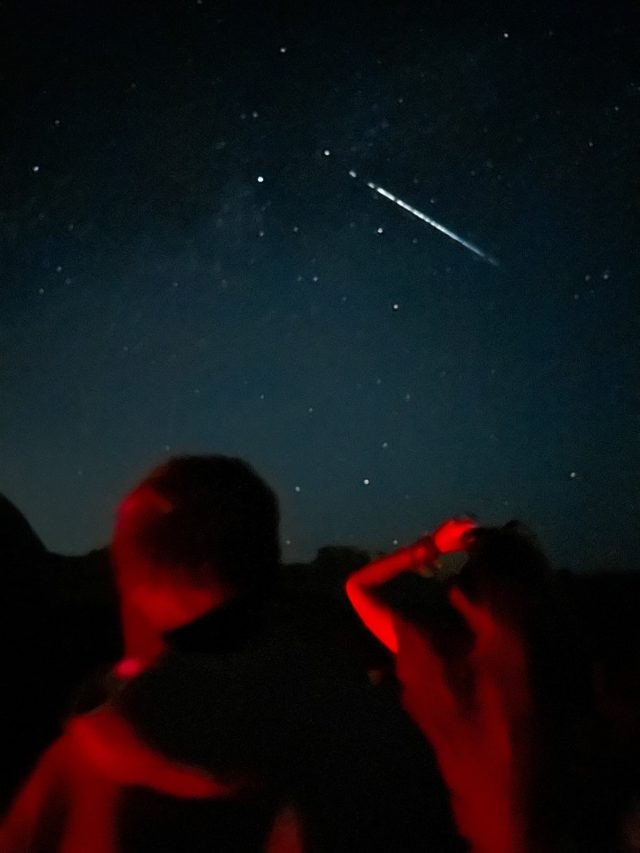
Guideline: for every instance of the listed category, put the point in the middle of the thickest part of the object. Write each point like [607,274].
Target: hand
[450,536]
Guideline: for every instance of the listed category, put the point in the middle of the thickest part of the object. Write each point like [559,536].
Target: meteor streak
[422,216]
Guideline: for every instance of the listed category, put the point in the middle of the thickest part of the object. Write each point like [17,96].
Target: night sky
[187,265]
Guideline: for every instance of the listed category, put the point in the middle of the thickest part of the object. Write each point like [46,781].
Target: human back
[303,727]
[220,680]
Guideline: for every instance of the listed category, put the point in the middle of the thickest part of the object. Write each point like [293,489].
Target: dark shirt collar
[223,629]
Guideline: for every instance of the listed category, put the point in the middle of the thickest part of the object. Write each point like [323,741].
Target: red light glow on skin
[71,799]
[361,586]
[143,500]
[113,747]
[75,789]
[168,604]
[128,668]
[483,750]
[66,805]
[154,598]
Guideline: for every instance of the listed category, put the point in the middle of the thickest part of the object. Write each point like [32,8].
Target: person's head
[506,566]
[195,533]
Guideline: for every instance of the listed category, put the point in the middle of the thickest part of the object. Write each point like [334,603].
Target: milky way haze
[187,265]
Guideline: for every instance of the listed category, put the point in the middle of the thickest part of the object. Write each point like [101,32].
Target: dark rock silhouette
[21,549]
[60,625]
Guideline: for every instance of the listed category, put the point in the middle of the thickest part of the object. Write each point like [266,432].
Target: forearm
[374,574]
[361,588]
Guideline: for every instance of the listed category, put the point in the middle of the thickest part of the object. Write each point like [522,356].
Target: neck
[142,643]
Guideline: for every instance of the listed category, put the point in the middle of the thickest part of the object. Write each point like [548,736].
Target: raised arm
[362,586]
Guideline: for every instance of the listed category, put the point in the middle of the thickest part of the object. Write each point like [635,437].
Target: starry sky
[188,266]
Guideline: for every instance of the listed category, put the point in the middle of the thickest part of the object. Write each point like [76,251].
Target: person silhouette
[225,725]
[469,688]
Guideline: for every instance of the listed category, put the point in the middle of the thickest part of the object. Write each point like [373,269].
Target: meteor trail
[419,215]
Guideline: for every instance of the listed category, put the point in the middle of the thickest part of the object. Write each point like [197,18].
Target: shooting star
[423,216]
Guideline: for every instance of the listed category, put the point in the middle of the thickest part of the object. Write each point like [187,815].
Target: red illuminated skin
[362,585]
[78,781]
[482,749]
[113,747]
[66,805]
[153,599]
[71,800]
